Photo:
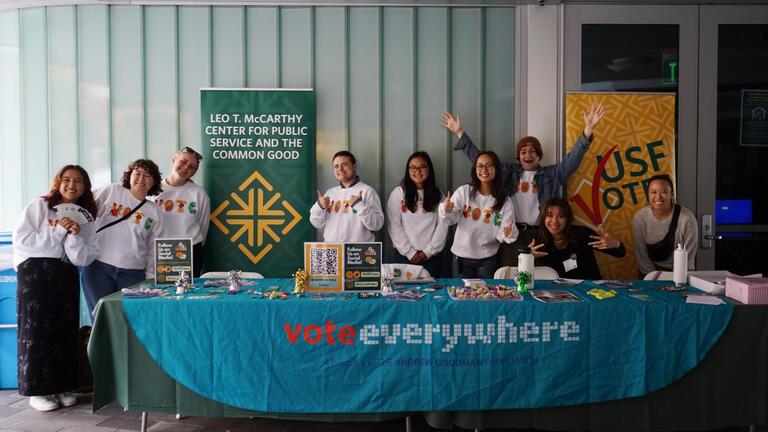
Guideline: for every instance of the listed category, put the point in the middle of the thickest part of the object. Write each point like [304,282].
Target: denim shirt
[548,178]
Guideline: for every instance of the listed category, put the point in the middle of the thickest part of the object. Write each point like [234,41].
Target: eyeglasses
[487,166]
[191,150]
[422,168]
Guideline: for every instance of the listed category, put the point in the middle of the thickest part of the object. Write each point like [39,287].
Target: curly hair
[151,169]
[86,200]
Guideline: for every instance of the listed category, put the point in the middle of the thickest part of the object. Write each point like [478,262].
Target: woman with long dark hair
[569,248]
[54,234]
[417,235]
[485,217]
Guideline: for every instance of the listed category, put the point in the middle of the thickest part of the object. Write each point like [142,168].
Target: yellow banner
[633,142]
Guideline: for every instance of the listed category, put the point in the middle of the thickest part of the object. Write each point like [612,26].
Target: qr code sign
[324,261]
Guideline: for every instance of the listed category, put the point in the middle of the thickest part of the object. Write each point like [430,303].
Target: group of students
[114,252]
[507,206]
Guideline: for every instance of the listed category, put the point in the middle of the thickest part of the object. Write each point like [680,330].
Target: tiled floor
[17,416]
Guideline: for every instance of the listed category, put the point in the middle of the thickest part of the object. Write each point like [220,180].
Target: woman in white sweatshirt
[47,245]
[128,224]
[485,218]
[351,211]
[417,235]
[184,205]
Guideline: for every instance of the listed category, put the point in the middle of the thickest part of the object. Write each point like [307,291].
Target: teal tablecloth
[343,354]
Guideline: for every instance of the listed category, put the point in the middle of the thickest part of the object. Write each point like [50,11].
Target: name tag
[570,264]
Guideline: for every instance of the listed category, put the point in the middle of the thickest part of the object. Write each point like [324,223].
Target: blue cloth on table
[337,353]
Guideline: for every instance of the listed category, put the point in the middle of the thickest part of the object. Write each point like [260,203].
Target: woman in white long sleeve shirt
[351,211]
[127,225]
[46,248]
[485,217]
[417,235]
[184,205]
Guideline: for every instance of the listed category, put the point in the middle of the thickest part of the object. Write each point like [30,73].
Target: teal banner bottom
[337,353]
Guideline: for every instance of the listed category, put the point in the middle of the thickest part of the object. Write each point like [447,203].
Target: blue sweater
[548,178]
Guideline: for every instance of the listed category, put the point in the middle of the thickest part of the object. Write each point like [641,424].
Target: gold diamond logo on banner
[255,218]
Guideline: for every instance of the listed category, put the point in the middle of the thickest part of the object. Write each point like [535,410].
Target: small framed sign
[172,256]
[362,266]
[323,263]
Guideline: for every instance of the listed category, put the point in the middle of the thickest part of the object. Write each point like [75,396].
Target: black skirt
[47,308]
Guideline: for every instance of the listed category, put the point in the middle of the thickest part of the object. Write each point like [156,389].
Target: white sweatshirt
[37,235]
[480,229]
[412,232]
[128,244]
[185,210]
[342,222]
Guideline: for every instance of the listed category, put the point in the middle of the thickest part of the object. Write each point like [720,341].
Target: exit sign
[671,71]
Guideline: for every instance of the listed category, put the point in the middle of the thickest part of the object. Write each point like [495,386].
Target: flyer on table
[172,256]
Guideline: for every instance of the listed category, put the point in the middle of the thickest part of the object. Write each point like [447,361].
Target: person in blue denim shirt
[526,181]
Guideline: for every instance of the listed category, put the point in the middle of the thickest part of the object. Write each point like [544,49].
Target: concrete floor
[17,416]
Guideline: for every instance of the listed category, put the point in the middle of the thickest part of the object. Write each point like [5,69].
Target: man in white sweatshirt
[351,211]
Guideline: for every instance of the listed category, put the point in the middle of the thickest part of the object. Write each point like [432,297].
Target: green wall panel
[432,97]
[228,46]
[194,73]
[94,96]
[127,87]
[262,42]
[331,85]
[296,47]
[62,82]
[10,120]
[162,84]
[103,85]
[364,124]
[34,107]
[399,130]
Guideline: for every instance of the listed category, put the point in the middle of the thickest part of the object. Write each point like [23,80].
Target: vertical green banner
[259,154]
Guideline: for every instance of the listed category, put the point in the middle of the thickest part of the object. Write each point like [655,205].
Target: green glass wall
[102,85]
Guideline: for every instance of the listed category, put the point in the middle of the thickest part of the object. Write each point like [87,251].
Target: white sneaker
[67,399]
[44,403]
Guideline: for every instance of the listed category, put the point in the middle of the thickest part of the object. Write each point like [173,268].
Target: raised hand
[353,198]
[449,205]
[323,201]
[536,249]
[604,241]
[452,123]
[592,118]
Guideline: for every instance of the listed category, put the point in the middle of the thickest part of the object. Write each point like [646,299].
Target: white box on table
[712,281]
[747,290]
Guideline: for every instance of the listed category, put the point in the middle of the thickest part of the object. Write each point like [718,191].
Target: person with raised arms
[417,236]
[351,211]
[526,181]
[485,217]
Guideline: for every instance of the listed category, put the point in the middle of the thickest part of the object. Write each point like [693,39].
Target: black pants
[47,307]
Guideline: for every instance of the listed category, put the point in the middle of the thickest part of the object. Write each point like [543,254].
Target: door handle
[707,231]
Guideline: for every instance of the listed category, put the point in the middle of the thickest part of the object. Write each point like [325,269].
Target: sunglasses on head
[191,150]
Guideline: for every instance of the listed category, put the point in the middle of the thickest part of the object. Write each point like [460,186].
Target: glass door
[733,138]
[636,48]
